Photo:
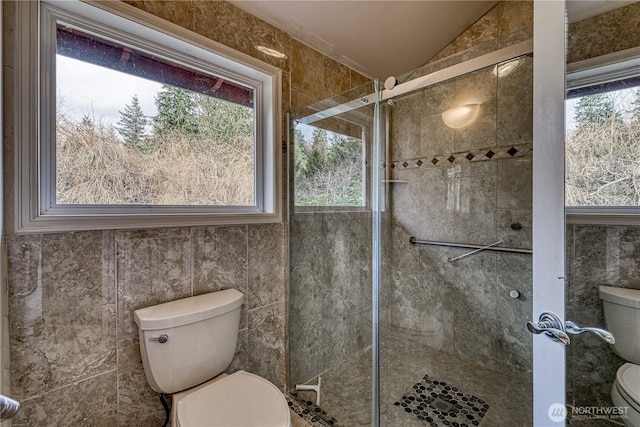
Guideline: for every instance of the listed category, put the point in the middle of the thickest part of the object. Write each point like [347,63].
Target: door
[548,207]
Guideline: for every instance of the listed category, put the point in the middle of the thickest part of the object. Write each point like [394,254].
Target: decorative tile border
[439,404]
[481,155]
[312,414]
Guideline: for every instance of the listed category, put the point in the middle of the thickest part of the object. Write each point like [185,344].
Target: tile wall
[74,345]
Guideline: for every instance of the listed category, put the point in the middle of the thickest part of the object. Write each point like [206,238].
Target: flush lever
[161,339]
[550,325]
[572,328]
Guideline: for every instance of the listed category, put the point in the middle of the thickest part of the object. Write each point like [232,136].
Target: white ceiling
[386,37]
[377,38]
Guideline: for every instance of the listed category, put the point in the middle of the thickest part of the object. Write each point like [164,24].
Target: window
[603,142]
[329,168]
[145,124]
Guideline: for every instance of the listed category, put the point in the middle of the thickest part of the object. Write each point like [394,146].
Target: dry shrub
[603,164]
[95,167]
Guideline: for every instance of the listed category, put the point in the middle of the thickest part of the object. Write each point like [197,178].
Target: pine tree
[317,151]
[176,112]
[132,123]
[594,109]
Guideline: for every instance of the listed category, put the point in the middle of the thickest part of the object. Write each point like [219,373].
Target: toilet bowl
[241,400]
[186,345]
[621,309]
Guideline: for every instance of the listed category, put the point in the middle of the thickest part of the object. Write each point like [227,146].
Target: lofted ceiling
[381,38]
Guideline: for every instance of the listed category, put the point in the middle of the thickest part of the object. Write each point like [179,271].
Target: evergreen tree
[176,112]
[299,154]
[132,123]
[594,109]
[317,151]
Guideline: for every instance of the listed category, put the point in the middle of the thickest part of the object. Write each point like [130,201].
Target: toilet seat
[238,400]
[628,383]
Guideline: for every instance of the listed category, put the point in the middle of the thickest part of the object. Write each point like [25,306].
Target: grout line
[117,320]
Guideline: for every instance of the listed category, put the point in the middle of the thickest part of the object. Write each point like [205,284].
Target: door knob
[606,336]
[8,407]
[550,325]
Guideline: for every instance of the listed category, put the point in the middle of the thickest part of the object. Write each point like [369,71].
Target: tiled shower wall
[598,254]
[466,185]
[74,345]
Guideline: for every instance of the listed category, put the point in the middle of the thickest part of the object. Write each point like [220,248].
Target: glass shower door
[456,238]
[330,251]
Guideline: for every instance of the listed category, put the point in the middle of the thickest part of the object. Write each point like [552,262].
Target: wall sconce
[506,68]
[462,116]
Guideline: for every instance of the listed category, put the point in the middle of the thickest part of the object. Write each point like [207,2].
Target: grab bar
[476,250]
[479,248]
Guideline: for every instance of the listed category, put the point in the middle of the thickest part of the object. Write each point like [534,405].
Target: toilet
[621,309]
[186,345]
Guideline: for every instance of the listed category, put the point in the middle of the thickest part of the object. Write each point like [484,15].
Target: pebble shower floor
[439,404]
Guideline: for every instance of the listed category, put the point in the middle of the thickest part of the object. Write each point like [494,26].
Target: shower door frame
[549,26]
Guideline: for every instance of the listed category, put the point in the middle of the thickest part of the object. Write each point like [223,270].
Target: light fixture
[505,68]
[271,52]
[462,116]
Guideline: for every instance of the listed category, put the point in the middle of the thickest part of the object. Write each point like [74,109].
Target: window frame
[35,171]
[592,72]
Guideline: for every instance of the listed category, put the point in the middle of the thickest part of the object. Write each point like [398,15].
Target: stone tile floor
[346,388]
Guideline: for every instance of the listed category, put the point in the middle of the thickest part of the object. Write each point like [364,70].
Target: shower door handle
[550,325]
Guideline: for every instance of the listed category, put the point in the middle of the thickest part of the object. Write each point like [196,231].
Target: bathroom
[70,350]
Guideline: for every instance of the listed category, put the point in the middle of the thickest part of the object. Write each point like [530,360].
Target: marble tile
[605,33]
[486,28]
[137,401]
[220,259]
[177,12]
[151,271]
[265,265]
[473,198]
[515,238]
[515,184]
[514,15]
[267,343]
[307,71]
[515,105]
[514,341]
[90,402]
[515,272]
[478,135]
[436,137]
[241,355]
[595,367]
[474,292]
[405,127]
[478,87]
[62,316]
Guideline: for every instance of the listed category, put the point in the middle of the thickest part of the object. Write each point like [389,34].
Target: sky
[100,92]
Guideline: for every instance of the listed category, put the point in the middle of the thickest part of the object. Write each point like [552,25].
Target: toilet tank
[201,333]
[621,309]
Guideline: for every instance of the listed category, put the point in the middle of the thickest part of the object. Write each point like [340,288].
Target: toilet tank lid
[623,296]
[188,310]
